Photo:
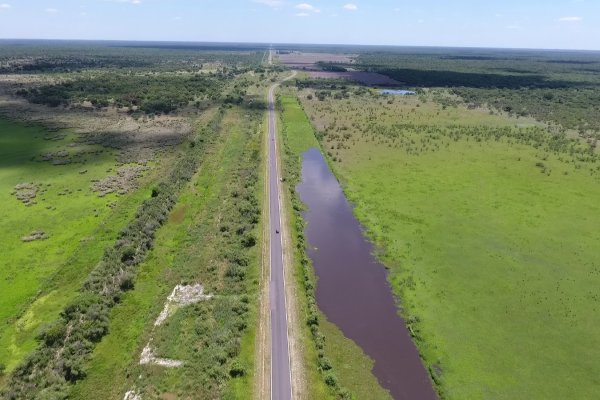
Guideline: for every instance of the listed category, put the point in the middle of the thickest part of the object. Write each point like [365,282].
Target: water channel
[352,289]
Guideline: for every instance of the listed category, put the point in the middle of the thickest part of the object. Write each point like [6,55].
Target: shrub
[237,370]
[330,379]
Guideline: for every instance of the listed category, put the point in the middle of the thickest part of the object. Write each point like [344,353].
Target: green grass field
[492,241]
[38,278]
[351,367]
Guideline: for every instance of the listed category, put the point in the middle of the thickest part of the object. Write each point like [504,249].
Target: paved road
[281,385]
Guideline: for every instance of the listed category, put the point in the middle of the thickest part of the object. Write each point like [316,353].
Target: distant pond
[397,92]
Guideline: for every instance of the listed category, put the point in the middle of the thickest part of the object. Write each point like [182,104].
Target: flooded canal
[352,289]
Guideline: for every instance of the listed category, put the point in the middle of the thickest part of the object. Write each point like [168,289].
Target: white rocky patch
[132,395]
[182,295]
[148,357]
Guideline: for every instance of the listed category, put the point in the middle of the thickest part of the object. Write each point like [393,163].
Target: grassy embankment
[490,233]
[209,235]
[331,358]
[38,278]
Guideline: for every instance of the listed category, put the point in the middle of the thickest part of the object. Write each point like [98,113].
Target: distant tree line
[150,93]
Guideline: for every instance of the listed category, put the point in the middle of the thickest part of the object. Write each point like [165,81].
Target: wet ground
[352,290]
[397,92]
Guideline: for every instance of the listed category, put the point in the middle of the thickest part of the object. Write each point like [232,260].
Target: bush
[52,333]
[331,379]
[237,370]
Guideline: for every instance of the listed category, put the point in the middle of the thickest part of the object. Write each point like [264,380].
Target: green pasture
[37,278]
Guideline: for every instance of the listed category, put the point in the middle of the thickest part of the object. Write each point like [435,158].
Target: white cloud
[570,19]
[306,8]
[51,10]
[302,14]
[4,6]
[135,2]
[350,7]
[270,3]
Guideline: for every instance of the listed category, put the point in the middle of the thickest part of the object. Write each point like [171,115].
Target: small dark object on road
[276,230]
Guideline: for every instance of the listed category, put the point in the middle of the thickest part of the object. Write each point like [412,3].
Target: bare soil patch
[123,182]
[26,193]
[178,215]
[35,235]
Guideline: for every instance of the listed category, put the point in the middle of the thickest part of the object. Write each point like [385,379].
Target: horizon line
[267,44]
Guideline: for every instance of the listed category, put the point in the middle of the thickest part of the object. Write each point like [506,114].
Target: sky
[549,24]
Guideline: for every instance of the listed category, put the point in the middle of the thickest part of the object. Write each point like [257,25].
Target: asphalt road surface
[281,385]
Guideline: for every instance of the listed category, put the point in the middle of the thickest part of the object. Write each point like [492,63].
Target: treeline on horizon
[560,87]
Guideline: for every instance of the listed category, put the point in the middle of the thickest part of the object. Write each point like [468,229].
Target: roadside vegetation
[487,224]
[210,238]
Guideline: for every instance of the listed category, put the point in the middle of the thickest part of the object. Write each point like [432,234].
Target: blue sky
[566,24]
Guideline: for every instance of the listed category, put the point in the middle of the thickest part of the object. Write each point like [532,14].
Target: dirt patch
[366,78]
[34,236]
[60,157]
[122,183]
[26,193]
[178,215]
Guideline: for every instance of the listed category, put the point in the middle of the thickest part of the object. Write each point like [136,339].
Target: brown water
[352,287]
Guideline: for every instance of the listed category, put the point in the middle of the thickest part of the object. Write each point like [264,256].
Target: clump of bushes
[226,265]
[151,93]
